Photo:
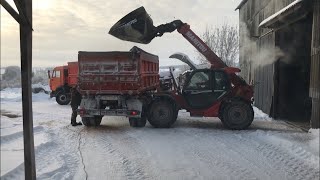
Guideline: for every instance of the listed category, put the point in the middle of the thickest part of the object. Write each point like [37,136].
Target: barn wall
[254,39]
[315,66]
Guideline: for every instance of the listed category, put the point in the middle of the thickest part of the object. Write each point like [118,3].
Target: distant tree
[11,73]
[224,41]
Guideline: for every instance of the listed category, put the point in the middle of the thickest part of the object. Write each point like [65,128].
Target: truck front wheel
[62,98]
[162,114]
[237,115]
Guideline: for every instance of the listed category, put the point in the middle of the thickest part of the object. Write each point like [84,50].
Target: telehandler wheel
[62,98]
[162,114]
[237,115]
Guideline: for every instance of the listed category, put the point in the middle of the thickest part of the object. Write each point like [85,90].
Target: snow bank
[15,94]
[260,116]
[314,142]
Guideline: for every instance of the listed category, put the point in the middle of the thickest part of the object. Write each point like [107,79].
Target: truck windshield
[55,74]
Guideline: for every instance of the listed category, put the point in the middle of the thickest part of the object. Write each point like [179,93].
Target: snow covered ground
[195,148]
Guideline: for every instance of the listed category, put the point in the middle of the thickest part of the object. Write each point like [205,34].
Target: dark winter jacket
[75,98]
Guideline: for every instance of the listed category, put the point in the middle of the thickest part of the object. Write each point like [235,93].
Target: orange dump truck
[61,79]
[117,84]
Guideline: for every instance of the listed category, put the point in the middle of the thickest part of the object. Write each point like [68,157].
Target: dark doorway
[292,72]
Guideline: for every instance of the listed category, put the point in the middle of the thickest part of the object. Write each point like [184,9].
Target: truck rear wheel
[237,115]
[92,121]
[86,121]
[62,98]
[162,114]
[137,122]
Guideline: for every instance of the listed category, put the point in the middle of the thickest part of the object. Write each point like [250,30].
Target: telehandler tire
[162,114]
[237,115]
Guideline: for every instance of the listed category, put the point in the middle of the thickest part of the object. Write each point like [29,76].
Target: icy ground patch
[195,148]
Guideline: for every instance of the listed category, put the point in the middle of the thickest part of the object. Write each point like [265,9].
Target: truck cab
[61,79]
[57,77]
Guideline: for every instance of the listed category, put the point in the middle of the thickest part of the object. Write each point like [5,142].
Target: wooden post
[24,18]
[26,75]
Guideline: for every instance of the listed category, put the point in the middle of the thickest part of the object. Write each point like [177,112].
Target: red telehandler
[215,92]
[125,83]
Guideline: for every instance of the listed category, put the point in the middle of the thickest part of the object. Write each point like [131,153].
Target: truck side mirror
[49,74]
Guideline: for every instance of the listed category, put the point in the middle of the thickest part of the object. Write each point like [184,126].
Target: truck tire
[96,121]
[92,121]
[162,114]
[137,122]
[62,98]
[86,121]
[237,115]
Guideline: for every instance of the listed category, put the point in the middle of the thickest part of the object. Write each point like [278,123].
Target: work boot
[79,123]
[73,123]
[76,123]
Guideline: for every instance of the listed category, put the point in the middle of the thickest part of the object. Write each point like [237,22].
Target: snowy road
[194,148]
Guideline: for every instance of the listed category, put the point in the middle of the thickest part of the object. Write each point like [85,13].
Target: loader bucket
[137,26]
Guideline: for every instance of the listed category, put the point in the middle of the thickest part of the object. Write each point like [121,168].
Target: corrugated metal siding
[315,67]
[264,76]
[315,116]
[264,89]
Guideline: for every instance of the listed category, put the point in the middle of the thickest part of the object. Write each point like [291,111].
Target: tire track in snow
[132,169]
[218,158]
[259,155]
[240,152]
[286,165]
[107,144]
[295,168]
[58,158]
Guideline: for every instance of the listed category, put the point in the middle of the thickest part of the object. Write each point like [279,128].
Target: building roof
[241,4]
[284,14]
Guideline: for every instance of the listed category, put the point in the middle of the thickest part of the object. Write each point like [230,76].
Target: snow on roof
[241,4]
[293,4]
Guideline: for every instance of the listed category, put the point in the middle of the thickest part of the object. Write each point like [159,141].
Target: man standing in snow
[75,102]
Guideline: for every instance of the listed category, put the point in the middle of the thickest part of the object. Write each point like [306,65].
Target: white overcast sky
[64,27]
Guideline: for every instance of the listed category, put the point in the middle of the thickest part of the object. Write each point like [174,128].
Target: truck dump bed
[132,72]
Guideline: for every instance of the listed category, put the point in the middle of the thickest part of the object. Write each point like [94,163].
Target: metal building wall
[315,66]
[251,13]
[252,41]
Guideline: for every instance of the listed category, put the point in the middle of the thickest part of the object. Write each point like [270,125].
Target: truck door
[55,79]
[205,87]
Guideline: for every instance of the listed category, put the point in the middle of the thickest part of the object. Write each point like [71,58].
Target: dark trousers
[74,114]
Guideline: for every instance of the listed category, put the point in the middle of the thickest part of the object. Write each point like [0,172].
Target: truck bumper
[108,112]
